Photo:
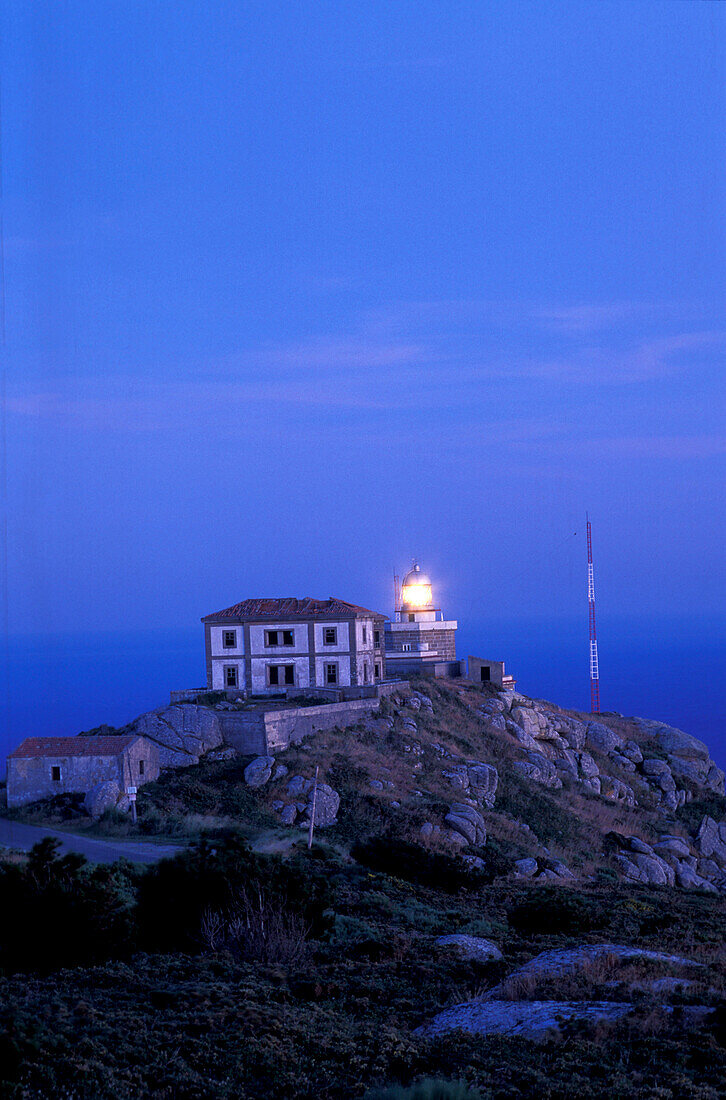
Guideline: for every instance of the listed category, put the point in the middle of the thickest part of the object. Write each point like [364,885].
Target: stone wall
[267,732]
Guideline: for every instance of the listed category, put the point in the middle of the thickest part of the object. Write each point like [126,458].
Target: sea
[673,671]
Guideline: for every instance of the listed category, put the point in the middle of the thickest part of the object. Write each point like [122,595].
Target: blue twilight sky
[297,290]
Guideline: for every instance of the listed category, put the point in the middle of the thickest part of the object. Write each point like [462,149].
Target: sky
[296,292]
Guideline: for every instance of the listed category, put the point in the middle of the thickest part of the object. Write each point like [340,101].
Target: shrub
[416,864]
[556,911]
[692,813]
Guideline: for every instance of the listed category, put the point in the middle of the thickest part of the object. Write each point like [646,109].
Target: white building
[270,646]
[420,642]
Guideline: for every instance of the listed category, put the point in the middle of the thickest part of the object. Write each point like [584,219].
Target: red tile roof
[74,746]
[286,608]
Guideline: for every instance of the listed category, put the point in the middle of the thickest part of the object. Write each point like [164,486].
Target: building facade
[45,766]
[272,646]
[420,641]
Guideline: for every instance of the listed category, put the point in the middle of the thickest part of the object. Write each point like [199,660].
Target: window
[271,637]
[141,767]
[229,639]
[365,674]
[330,635]
[280,674]
[377,639]
[55,774]
[405,648]
[230,676]
[411,618]
[331,674]
[365,634]
[288,637]
[279,637]
[486,673]
[377,671]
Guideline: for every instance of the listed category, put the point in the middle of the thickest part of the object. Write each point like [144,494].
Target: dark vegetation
[224,973]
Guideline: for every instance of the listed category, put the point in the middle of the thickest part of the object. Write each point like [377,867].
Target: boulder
[182,732]
[602,739]
[259,771]
[614,790]
[710,840]
[526,867]
[101,797]
[569,960]
[289,814]
[631,749]
[467,822]
[458,777]
[588,767]
[483,780]
[327,802]
[539,769]
[280,772]
[671,740]
[471,947]
[428,829]
[687,878]
[541,1019]
[673,846]
[298,785]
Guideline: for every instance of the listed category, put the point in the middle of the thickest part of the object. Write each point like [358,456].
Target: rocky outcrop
[183,733]
[471,947]
[570,960]
[479,780]
[466,822]
[101,797]
[259,771]
[542,1019]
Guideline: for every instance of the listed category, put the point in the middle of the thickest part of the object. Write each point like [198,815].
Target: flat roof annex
[290,609]
[74,746]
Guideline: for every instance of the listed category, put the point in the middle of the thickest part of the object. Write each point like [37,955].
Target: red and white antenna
[594,668]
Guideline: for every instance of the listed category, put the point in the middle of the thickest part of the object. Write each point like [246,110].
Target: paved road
[15,835]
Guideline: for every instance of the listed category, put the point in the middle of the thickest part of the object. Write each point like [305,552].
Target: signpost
[131,792]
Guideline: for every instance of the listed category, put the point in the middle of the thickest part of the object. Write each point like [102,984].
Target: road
[23,837]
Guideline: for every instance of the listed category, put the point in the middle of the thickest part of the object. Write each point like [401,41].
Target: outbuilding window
[229,639]
[330,635]
[55,773]
[141,766]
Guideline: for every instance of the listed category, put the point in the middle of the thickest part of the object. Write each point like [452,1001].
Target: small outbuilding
[41,767]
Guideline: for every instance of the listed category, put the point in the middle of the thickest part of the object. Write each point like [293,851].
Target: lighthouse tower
[420,642]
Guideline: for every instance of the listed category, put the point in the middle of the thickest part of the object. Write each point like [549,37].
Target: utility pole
[312,809]
[594,666]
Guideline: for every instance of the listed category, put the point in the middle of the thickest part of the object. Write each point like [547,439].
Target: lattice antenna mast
[594,667]
[397,596]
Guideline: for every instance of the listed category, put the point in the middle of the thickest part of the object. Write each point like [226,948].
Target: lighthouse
[420,641]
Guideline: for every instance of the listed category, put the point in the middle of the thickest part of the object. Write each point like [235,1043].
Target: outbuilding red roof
[285,608]
[74,746]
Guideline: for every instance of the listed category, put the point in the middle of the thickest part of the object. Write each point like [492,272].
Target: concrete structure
[480,671]
[45,766]
[272,646]
[420,642]
[266,732]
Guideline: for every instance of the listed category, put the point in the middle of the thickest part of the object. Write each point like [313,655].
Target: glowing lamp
[416,589]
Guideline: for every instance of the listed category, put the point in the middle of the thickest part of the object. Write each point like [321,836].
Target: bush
[416,864]
[711,805]
[556,911]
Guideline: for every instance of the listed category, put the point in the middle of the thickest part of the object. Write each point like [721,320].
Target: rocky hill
[504,782]
[504,896]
